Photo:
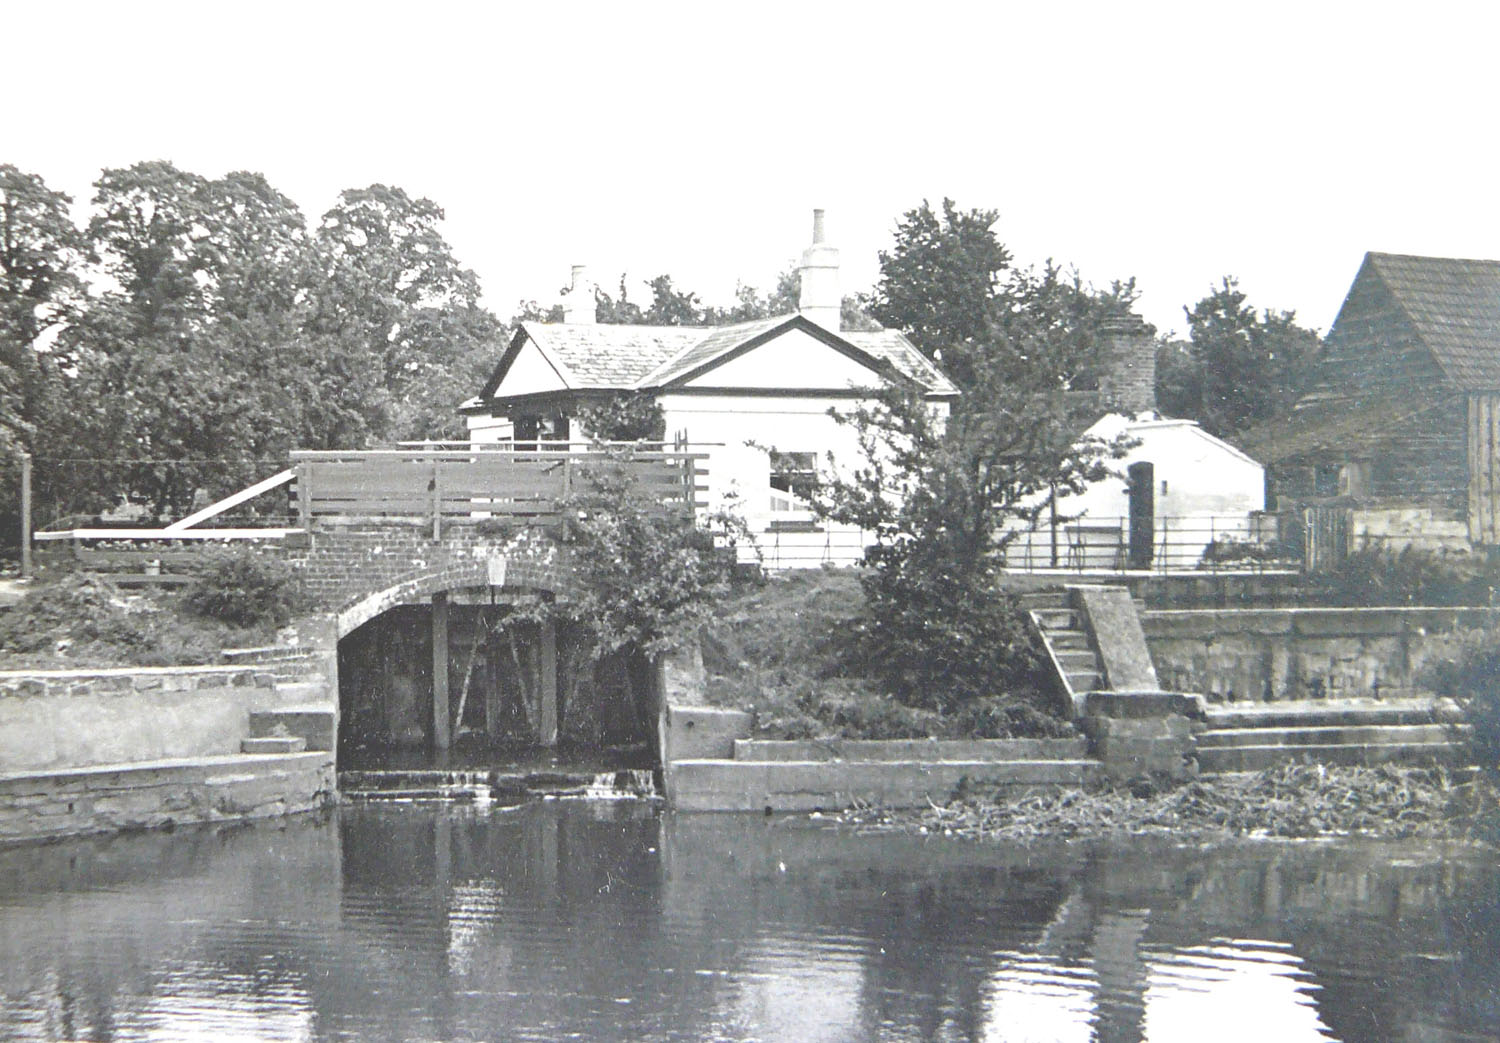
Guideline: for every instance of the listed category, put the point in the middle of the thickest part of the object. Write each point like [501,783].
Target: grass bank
[789,649]
[1296,800]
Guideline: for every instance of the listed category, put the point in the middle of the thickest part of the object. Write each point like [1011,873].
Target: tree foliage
[1238,369]
[221,332]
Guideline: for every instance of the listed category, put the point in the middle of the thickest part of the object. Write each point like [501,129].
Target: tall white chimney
[578,302]
[820,299]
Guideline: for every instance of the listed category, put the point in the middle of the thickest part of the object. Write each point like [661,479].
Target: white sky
[1173,142]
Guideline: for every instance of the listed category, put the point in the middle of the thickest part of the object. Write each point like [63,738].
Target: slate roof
[605,356]
[1368,425]
[1454,307]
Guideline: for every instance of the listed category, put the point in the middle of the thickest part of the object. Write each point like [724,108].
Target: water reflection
[616,922]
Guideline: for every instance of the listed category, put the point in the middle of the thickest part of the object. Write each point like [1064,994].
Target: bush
[244,588]
[1411,576]
[1466,668]
[75,610]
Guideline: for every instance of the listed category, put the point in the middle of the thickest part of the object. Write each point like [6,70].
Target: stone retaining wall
[1300,653]
[57,719]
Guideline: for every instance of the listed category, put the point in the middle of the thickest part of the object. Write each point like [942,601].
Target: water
[613,920]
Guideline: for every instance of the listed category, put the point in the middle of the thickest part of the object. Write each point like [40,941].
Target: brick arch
[516,575]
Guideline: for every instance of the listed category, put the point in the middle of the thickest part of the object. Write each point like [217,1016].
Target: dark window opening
[795,474]
[530,430]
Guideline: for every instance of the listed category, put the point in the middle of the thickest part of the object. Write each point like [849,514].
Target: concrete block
[693,732]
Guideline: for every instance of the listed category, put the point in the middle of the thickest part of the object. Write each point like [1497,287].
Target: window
[794,476]
[530,430]
[1326,480]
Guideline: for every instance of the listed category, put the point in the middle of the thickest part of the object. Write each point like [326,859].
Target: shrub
[1411,576]
[245,588]
[74,610]
[1466,667]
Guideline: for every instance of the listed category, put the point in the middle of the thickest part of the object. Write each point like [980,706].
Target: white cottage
[1198,497]
[734,392]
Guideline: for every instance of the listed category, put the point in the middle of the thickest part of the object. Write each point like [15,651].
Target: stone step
[316,724]
[725,785]
[1067,639]
[925,750]
[273,744]
[1058,619]
[1320,714]
[1085,680]
[301,691]
[1334,735]
[1258,758]
[1076,659]
[1040,599]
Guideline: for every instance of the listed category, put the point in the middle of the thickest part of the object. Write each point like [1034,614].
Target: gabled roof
[592,357]
[1454,308]
[1367,425]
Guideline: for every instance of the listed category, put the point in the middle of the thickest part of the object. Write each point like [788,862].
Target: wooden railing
[448,485]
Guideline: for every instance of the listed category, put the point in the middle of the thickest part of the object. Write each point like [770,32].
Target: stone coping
[207,763]
[128,671]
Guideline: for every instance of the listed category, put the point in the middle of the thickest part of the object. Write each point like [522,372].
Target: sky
[1172,143]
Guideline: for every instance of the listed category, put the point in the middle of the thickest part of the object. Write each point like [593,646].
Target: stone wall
[53,720]
[1299,653]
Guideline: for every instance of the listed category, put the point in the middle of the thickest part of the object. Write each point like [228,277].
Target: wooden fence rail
[443,486]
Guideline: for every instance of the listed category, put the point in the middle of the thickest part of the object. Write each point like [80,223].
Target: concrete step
[1334,735]
[1320,714]
[928,751]
[1058,619]
[303,691]
[1076,659]
[1067,639]
[1040,599]
[1258,758]
[725,785]
[316,724]
[273,744]
[1085,680]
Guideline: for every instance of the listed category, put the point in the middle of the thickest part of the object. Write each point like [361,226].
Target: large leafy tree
[41,262]
[398,329]
[1239,368]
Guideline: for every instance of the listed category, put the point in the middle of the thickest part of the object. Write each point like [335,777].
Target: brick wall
[361,571]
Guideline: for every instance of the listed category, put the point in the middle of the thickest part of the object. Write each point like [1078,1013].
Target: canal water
[608,921]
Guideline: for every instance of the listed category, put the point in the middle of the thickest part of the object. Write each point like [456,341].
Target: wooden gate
[1326,532]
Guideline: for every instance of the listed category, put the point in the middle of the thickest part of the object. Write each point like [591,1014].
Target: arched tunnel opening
[475,683]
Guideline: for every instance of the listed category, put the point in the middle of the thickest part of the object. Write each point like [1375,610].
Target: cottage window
[1354,478]
[531,430]
[1326,480]
[793,478]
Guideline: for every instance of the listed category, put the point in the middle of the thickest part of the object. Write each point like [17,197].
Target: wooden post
[304,495]
[442,728]
[25,515]
[547,695]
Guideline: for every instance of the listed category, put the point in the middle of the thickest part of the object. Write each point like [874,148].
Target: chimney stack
[578,302]
[1128,380]
[820,299]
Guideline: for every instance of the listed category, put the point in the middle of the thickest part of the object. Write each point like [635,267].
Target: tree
[944,497]
[400,333]
[939,282]
[41,260]
[1241,369]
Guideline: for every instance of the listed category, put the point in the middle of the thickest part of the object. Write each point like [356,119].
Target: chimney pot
[578,302]
[820,300]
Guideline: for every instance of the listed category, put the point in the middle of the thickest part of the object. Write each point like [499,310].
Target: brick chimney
[1128,377]
[578,302]
[820,299]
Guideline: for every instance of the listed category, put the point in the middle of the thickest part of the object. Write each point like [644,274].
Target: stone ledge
[725,785]
[923,750]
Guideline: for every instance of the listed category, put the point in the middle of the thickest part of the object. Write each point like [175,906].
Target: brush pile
[1295,800]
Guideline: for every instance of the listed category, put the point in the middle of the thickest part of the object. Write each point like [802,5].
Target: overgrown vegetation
[238,586]
[793,650]
[1465,666]
[85,621]
[1295,800]
[1411,576]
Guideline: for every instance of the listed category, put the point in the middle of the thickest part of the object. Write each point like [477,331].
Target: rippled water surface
[614,921]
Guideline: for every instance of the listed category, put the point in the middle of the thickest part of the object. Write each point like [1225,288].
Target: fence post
[437,500]
[304,495]
[25,515]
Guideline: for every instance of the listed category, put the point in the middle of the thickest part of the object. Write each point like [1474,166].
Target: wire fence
[1250,542]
